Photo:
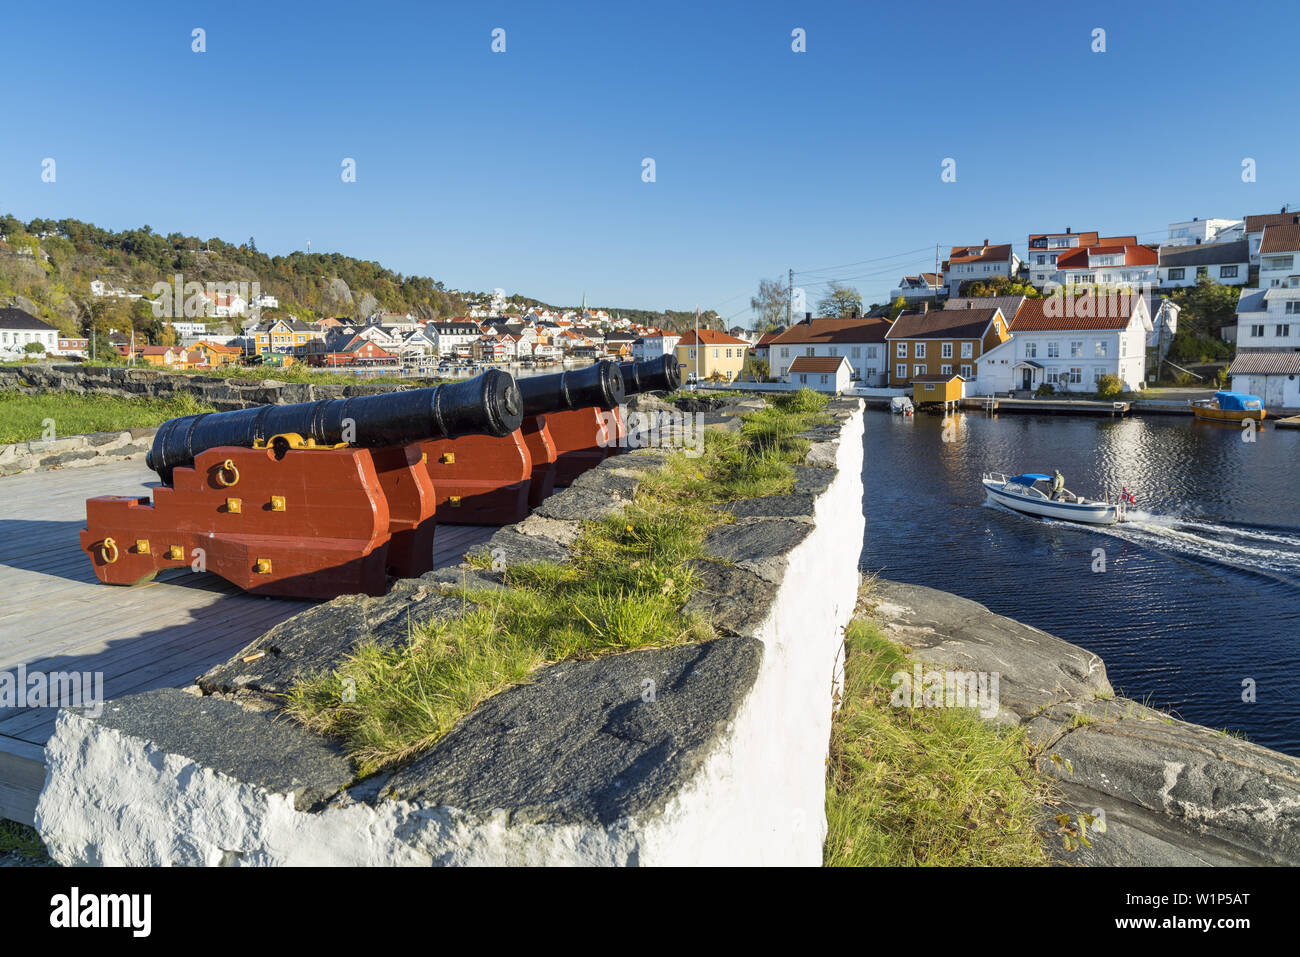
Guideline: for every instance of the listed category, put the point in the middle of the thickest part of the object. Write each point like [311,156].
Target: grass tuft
[910,786]
[622,591]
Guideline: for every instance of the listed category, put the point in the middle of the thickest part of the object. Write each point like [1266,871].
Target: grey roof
[19,319]
[1265,363]
[1252,300]
[1009,305]
[1206,254]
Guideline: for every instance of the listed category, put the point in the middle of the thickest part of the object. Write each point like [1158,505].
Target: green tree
[34,347]
[770,305]
[898,307]
[840,303]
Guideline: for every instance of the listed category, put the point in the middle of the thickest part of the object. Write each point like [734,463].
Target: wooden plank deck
[55,616]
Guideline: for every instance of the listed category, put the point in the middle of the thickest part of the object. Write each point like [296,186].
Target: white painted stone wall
[759,798]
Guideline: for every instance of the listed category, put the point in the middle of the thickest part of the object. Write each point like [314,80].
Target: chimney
[1067,230]
[1195,218]
[986,242]
[807,317]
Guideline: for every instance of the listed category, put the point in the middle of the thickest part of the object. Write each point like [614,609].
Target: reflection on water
[1201,589]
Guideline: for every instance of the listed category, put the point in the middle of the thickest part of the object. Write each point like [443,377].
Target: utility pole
[789,298]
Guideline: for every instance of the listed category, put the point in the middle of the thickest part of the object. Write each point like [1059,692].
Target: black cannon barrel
[488,404]
[599,385]
[652,375]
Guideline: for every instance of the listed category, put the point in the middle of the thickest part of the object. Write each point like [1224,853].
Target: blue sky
[523,169]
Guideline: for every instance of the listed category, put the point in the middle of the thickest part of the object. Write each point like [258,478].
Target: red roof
[982,253]
[1256,223]
[817,363]
[1280,239]
[710,337]
[863,329]
[1134,255]
[1060,313]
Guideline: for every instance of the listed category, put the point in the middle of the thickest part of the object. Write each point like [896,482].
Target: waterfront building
[1069,343]
[1268,320]
[1273,376]
[704,354]
[942,342]
[825,374]
[861,340]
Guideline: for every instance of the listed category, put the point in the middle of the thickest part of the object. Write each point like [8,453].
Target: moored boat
[1230,407]
[1023,493]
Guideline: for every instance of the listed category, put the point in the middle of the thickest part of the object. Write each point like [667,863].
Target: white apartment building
[1268,320]
[1197,230]
[1126,266]
[1255,226]
[654,345]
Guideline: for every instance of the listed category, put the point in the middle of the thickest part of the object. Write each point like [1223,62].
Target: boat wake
[1270,551]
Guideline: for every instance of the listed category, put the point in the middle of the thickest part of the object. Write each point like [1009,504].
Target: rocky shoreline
[1162,791]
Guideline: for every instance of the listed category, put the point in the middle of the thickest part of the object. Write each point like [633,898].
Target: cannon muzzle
[652,375]
[488,404]
[599,386]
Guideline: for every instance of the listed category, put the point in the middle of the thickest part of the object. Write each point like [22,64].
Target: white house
[1226,263]
[1164,322]
[653,345]
[926,285]
[1046,249]
[1122,266]
[453,338]
[1255,226]
[18,329]
[1069,343]
[264,301]
[1279,247]
[1273,376]
[824,374]
[967,263]
[1268,320]
[1197,230]
[860,340]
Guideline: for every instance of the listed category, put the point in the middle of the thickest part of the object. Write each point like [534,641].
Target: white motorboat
[1032,494]
[900,405]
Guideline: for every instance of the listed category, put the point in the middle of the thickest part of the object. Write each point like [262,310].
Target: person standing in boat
[1058,485]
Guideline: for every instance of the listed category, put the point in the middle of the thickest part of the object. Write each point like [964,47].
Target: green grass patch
[20,838]
[25,417]
[622,591]
[913,786]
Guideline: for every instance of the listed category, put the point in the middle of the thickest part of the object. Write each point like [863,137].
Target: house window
[1076,349]
[965,372]
[1053,350]
[920,350]
[785,352]
[833,351]
[1031,350]
[1053,376]
[1202,272]
[1097,373]
[715,353]
[946,369]
[901,350]
[1175,274]
[810,350]
[1282,331]
[1292,307]
[1076,375]
[967,350]
[918,370]
[824,380]
[1101,348]
[690,353]
[857,352]
[900,372]
[1227,272]
[946,350]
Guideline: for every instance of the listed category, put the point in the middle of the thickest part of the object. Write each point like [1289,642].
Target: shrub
[1045,389]
[1109,386]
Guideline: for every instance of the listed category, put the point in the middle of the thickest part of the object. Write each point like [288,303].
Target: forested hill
[46,267]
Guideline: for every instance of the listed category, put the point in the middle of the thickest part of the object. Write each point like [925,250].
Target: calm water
[1201,588]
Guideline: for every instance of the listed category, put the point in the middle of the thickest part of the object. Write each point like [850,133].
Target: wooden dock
[55,616]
